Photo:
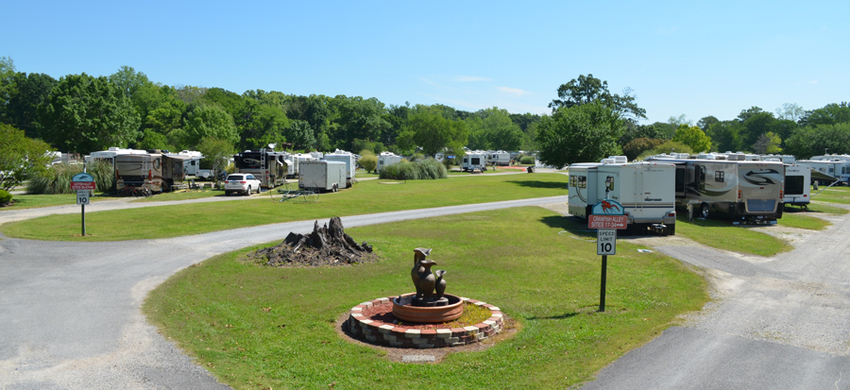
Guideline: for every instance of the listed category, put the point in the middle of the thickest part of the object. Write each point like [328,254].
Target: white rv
[192,165]
[386,159]
[350,160]
[740,190]
[499,157]
[835,165]
[474,161]
[798,190]
[645,189]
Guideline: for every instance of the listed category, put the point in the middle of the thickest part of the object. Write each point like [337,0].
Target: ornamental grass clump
[5,197]
[419,170]
[57,179]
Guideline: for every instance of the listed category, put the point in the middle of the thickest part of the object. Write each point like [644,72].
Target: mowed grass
[365,197]
[30,201]
[257,327]
[833,194]
[722,234]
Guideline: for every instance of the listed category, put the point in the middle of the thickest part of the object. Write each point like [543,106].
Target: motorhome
[350,160]
[386,159]
[109,155]
[499,157]
[798,191]
[645,189]
[266,165]
[474,161]
[322,175]
[835,165]
[739,190]
[153,171]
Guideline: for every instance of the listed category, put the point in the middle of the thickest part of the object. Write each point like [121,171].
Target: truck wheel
[671,230]
[704,211]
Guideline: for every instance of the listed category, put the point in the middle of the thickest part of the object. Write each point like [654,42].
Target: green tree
[84,114]
[7,83]
[790,111]
[827,115]
[813,140]
[638,146]
[129,80]
[588,89]
[368,160]
[358,118]
[427,128]
[707,121]
[725,136]
[693,137]
[583,133]
[217,153]
[260,125]
[21,158]
[768,143]
[666,148]
[208,121]
[500,132]
[30,91]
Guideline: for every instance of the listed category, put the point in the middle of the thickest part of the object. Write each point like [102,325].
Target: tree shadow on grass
[540,184]
[558,317]
[572,225]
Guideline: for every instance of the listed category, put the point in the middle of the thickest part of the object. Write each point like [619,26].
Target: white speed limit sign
[606,242]
[83,196]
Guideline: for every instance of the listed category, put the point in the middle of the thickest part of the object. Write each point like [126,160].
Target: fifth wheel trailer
[644,189]
[739,190]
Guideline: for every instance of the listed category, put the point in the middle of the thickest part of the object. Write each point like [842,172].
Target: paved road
[69,311]
[776,323]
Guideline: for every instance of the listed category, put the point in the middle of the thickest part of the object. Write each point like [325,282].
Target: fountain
[421,319]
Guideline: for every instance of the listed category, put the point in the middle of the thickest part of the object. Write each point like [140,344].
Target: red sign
[607,221]
[82,185]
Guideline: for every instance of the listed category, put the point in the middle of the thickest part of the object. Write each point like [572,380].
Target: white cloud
[514,91]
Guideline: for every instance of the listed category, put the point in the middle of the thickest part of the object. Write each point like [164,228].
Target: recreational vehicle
[153,172]
[350,160]
[192,165]
[322,175]
[266,165]
[386,159]
[740,190]
[645,189]
[798,189]
[834,165]
[109,155]
[499,157]
[474,161]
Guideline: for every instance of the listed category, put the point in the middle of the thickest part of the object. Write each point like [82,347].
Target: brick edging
[390,335]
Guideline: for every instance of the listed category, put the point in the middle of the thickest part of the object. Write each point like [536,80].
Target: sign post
[83,183]
[607,218]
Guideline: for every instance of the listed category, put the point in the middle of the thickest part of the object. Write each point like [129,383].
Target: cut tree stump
[326,245]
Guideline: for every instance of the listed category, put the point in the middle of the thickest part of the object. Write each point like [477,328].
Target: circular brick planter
[393,335]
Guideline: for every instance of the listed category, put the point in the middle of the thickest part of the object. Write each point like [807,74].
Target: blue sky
[679,58]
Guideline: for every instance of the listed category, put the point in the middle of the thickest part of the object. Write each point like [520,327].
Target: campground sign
[84,184]
[607,218]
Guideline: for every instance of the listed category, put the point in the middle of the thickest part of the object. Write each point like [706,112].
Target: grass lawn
[30,201]
[369,196]
[258,327]
[833,194]
[721,234]
[181,195]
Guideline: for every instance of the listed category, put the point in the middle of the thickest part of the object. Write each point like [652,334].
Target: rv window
[573,181]
[582,182]
[476,161]
[718,176]
[794,185]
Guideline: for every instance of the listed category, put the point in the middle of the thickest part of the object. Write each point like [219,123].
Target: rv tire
[670,230]
[704,210]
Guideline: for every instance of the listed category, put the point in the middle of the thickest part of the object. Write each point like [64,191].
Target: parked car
[241,182]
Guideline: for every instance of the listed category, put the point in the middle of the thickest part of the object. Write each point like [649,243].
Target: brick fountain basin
[373,322]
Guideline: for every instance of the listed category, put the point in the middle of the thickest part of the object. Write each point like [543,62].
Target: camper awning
[818,175]
[178,157]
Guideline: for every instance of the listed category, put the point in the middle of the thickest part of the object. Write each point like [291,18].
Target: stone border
[390,335]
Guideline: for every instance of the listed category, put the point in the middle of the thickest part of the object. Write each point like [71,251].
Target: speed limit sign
[606,242]
[83,196]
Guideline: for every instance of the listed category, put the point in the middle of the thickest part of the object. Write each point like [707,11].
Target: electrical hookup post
[84,184]
[607,217]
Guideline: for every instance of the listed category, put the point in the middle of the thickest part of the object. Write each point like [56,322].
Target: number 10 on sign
[606,242]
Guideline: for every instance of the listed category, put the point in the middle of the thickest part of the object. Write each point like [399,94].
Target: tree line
[80,113]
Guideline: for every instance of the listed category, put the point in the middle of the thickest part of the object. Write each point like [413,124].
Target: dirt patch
[327,245]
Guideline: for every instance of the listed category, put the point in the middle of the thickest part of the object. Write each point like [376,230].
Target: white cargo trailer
[322,175]
[645,189]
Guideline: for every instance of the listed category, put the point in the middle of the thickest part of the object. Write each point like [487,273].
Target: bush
[57,179]
[528,160]
[419,170]
[5,197]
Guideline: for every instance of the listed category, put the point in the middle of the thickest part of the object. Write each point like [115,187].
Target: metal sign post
[607,218]
[83,183]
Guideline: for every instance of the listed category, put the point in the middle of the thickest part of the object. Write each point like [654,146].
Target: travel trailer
[500,157]
[474,161]
[798,189]
[192,166]
[835,165]
[739,190]
[266,165]
[322,175]
[645,189]
[350,160]
[153,172]
[386,159]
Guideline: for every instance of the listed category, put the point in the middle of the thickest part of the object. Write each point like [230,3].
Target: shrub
[57,179]
[368,160]
[419,170]
[5,197]
[529,160]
